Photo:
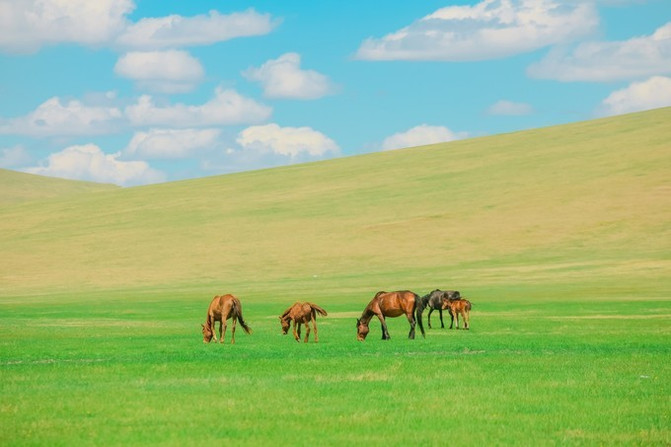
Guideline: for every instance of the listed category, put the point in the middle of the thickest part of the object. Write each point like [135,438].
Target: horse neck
[366,316]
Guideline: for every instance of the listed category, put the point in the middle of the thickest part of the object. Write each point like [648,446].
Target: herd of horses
[383,305]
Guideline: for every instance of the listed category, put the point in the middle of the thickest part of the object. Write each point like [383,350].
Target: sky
[136,92]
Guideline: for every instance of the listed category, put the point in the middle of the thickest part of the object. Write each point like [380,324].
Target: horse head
[285,322]
[207,334]
[361,330]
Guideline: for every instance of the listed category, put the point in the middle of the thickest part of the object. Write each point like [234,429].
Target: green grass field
[559,237]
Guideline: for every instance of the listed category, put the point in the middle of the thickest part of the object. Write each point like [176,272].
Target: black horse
[434,301]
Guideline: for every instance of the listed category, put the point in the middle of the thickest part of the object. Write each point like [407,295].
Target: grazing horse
[458,307]
[221,309]
[434,301]
[389,304]
[301,313]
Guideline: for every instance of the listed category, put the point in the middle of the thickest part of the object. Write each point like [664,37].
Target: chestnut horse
[389,304]
[458,307]
[434,301]
[301,313]
[221,309]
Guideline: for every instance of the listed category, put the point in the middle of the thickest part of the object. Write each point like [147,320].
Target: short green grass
[129,368]
[559,237]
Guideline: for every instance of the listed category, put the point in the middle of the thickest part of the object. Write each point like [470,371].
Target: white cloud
[226,108]
[73,117]
[13,157]
[650,94]
[169,71]
[490,29]
[419,136]
[609,61]
[283,78]
[287,141]
[170,143]
[28,24]
[175,31]
[89,162]
[509,108]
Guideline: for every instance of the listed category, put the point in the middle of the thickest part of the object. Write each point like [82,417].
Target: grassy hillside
[587,199]
[18,187]
[559,236]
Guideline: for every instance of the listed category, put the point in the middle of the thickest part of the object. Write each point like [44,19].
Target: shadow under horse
[389,304]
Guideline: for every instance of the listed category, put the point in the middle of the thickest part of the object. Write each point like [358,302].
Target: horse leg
[314,326]
[385,332]
[467,322]
[307,332]
[211,321]
[440,312]
[222,329]
[233,330]
[297,334]
[428,317]
[452,320]
[411,320]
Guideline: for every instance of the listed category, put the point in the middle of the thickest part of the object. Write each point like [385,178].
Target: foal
[459,306]
[221,309]
[301,313]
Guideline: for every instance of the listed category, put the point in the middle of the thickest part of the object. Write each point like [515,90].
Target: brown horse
[389,304]
[458,307]
[301,313]
[434,301]
[221,309]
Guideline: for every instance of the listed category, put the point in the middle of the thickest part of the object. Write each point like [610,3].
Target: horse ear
[358,321]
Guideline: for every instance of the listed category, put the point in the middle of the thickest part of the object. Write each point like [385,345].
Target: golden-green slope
[19,187]
[565,203]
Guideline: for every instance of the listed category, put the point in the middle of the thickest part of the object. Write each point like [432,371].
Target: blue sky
[136,92]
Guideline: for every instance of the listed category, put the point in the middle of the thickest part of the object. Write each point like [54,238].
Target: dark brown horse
[458,307]
[221,309]
[389,304]
[434,301]
[301,313]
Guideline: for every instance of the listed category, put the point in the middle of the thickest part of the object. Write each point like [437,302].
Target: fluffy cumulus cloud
[650,94]
[170,143]
[55,117]
[175,31]
[488,30]
[284,78]
[419,136]
[89,162]
[28,24]
[226,108]
[291,142]
[169,71]
[608,61]
[509,108]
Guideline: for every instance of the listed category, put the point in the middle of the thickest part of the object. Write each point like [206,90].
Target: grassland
[559,236]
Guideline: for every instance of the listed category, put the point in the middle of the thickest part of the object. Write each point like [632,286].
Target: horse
[456,307]
[221,309]
[389,304]
[301,313]
[434,301]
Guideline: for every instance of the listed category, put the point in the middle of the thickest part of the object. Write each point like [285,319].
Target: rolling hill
[586,202]
[18,187]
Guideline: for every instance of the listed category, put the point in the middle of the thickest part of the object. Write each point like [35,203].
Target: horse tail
[419,308]
[321,311]
[238,311]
